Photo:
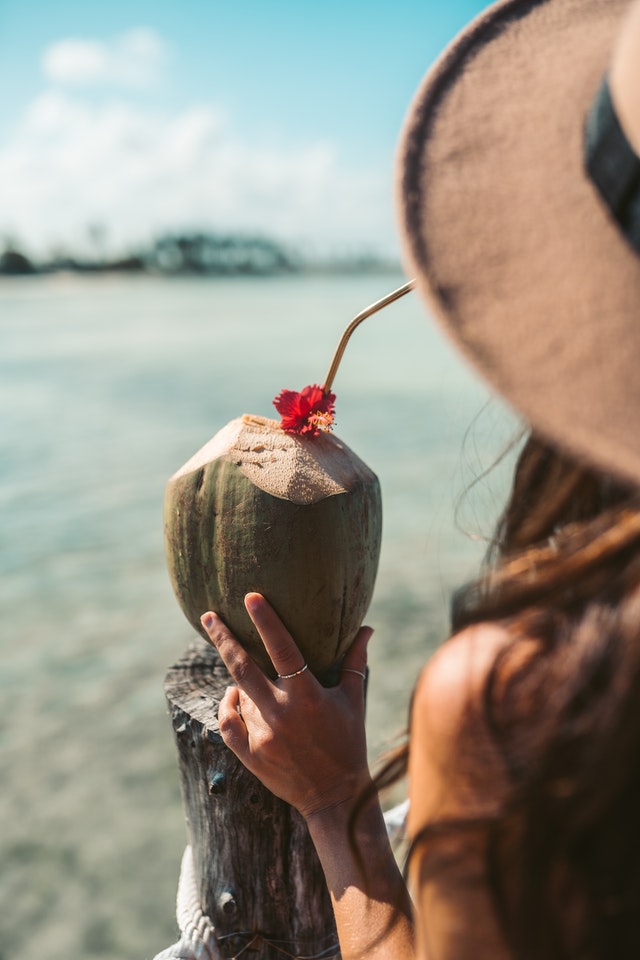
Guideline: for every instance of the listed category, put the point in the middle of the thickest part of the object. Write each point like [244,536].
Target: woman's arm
[372,907]
[306,743]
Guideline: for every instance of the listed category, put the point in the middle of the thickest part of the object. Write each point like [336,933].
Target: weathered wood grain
[259,878]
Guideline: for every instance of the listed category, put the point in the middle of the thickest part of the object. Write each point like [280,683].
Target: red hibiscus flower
[307,412]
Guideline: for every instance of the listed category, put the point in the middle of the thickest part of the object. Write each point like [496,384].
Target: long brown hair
[563,856]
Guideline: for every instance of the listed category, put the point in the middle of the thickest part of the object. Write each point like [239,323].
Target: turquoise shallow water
[108,385]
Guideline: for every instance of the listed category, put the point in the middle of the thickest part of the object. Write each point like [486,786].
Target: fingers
[354,666]
[246,673]
[356,657]
[279,644]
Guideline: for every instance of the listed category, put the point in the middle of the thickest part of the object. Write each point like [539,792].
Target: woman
[521,222]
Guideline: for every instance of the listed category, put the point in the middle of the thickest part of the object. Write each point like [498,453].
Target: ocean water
[107,386]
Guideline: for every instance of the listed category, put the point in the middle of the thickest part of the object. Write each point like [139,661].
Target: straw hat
[527,262]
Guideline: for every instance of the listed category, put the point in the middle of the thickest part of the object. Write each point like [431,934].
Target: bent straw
[357,320]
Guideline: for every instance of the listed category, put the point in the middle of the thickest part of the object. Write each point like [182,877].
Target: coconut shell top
[297,519]
[299,469]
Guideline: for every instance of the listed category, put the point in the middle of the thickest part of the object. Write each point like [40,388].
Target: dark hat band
[613,164]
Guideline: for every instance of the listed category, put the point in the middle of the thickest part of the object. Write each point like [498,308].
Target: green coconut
[296,518]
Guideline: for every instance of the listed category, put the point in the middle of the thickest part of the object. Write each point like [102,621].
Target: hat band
[613,164]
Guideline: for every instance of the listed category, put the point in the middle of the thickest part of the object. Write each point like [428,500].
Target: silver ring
[287,676]
[351,670]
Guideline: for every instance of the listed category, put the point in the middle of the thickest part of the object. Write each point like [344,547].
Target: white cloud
[134,59]
[73,162]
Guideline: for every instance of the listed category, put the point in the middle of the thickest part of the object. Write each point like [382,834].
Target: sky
[122,120]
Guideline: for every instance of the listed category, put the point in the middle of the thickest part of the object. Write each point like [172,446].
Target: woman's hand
[306,743]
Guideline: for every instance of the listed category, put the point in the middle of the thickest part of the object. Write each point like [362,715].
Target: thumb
[231,724]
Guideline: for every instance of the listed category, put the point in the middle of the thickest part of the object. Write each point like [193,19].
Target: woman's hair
[563,858]
[563,573]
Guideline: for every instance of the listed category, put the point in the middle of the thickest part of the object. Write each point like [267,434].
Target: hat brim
[511,244]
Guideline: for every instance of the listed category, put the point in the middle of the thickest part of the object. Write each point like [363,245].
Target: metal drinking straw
[357,320]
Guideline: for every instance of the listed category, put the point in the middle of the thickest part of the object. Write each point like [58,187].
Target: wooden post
[256,872]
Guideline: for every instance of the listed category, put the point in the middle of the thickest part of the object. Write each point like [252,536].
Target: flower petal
[305,412]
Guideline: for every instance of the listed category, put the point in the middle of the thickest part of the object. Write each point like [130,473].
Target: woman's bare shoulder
[454,764]
[453,680]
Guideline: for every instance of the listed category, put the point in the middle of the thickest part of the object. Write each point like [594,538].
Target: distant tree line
[212,254]
[14,263]
[195,254]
